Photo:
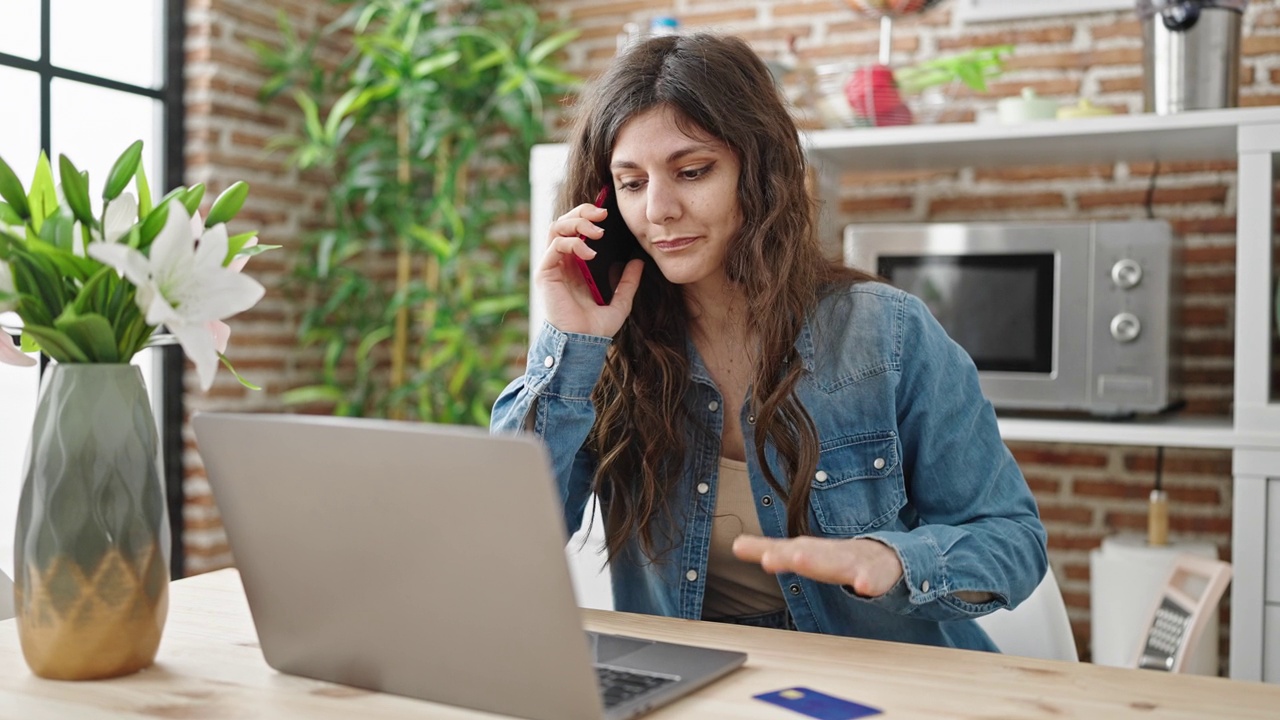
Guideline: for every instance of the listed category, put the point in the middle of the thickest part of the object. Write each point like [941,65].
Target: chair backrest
[6,596]
[1183,607]
[1037,628]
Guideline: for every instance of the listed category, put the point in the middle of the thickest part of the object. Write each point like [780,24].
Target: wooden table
[210,666]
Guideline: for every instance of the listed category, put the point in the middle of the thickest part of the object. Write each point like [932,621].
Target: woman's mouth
[674,244]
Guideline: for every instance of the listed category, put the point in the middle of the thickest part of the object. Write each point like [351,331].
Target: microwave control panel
[1130,314]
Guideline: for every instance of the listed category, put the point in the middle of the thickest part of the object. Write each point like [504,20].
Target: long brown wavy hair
[718,86]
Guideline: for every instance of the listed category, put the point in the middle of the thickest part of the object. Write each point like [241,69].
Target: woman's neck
[717,311]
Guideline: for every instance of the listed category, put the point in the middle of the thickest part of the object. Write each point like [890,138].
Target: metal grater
[1165,637]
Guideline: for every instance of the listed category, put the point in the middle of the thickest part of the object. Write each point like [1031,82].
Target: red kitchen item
[874,97]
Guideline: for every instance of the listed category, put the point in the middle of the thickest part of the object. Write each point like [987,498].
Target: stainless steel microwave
[1056,316]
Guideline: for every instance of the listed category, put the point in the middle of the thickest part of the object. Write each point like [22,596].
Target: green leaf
[550,45]
[552,76]
[56,344]
[27,343]
[255,250]
[122,171]
[339,111]
[227,364]
[58,231]
[75,188]
[43,197]
[227,204]
[513,81]
[12,192]
[9,216]
[310,113]
[192,197]
[370,341]
[498,305]
[235,245]
[95,292]
[39,277]
[144,192]
[434,64]
[368,95]
[972,77]
[491,59]
[312,394]
[93,335]
[64,262]
[433,240]
[154,223]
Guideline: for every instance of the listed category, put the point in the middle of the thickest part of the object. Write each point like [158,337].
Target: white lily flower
[122,214]
[9,353]
[184,285]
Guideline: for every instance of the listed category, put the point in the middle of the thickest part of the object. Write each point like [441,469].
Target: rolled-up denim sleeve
[553,399]
[978,527]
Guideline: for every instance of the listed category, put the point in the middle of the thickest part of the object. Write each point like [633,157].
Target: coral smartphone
[613,250]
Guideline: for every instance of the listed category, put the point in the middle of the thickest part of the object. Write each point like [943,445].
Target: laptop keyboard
[618,686]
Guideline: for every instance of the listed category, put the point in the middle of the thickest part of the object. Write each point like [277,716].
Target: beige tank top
[735,587]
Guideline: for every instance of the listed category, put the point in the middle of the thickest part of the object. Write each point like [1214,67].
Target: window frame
[169,361]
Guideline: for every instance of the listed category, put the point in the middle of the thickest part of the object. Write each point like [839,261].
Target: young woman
[775,439]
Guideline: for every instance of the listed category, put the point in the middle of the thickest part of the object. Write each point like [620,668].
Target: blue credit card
[817,705]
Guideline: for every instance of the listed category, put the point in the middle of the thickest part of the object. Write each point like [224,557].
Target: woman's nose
[663,204]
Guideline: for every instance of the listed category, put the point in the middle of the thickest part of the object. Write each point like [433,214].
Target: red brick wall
[1085,492]
[227,131]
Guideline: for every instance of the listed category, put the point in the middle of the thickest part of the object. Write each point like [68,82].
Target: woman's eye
[695,173]
[630,185]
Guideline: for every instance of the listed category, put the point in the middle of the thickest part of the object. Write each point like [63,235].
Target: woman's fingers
[870,567]
[625,291]
[567,233]
[580,221]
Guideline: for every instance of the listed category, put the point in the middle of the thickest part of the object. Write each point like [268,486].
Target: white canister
[1026,107]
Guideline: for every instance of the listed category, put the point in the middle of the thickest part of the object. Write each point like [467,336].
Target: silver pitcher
[1191,54]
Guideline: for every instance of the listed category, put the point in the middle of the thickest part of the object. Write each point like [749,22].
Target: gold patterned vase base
[78,627]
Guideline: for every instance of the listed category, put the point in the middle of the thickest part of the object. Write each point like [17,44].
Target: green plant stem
[400,342]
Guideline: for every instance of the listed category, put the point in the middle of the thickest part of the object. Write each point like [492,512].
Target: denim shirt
[910,455]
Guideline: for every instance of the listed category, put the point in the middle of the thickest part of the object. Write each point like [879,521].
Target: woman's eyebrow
[673,157]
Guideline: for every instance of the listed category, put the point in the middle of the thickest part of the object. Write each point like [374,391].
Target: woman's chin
[682,273]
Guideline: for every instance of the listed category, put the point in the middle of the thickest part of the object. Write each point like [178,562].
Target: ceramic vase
[91,585]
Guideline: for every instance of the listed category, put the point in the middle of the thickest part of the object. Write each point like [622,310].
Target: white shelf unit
[1252,137]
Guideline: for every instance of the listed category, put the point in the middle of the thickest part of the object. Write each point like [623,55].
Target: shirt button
[924,586]
[766,501]
[691,575]
[795,588]
[703,488]
[821,476]
[878,464]
[713,406]
[548,362]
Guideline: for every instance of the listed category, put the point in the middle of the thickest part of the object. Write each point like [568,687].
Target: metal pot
[1191,54]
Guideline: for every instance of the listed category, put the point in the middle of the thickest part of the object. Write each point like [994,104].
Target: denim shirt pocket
[858,486]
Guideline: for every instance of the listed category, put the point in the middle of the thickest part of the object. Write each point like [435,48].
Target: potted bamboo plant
[416,287]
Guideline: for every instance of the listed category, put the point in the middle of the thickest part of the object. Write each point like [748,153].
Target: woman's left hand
[869,567]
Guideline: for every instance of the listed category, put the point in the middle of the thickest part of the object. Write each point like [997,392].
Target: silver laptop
[427,561]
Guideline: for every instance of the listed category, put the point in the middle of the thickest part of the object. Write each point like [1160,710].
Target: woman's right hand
[566,297]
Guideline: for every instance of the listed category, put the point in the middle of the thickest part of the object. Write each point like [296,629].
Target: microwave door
[999,292]
[999,308]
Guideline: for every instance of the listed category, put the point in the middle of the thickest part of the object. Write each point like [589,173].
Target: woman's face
[678,194]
